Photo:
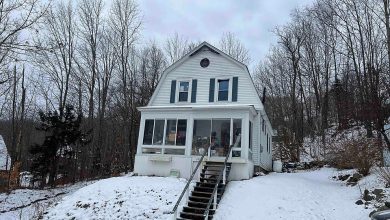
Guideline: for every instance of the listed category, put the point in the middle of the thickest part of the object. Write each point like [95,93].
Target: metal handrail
[206,213]
[221,174]
[189,181]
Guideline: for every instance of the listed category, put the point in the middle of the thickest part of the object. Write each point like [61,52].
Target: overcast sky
[205,20]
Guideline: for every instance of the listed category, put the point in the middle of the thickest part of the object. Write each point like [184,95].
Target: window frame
[177,99]
[164,146]
[216,90]
[231,119]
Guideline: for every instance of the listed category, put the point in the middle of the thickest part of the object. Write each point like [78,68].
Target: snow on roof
[4,156]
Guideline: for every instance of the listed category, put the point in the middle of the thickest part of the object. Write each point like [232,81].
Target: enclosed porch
[173,140]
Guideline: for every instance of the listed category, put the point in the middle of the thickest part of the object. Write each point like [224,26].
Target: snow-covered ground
[303,195]
[29,203]
[127,197]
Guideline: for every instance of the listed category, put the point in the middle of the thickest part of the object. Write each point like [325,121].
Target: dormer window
[223,89]
[183,91]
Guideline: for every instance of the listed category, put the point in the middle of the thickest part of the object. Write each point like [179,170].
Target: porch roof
[199,107]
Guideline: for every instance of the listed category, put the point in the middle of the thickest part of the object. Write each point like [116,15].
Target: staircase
[206,190]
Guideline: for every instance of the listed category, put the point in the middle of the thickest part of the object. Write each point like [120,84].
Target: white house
[207,98]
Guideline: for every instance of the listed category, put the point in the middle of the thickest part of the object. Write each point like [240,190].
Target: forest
[72,76]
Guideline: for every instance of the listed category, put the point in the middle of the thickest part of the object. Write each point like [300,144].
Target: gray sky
[204,20]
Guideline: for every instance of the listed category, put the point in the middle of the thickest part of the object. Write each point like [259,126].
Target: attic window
[204,62]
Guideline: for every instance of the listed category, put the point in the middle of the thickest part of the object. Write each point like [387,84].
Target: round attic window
[204,62]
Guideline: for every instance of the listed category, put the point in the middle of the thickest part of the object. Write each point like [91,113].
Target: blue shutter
[173,91]
[211,91]
[193,90]
[235,88]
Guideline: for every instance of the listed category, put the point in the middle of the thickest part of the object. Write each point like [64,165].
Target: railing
[174,211]
[214,194]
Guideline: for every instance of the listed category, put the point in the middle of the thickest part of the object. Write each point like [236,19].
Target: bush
[384,174]
[360,154]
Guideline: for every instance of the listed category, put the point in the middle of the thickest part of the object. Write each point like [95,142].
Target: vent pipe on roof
[263,99]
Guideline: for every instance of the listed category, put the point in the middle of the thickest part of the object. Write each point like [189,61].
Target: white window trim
[164,146]
[231,133]
[178,91]
[216,92]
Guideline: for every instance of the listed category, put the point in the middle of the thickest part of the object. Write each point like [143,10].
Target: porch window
[158,132]
[174,140]
[170,137]
[176,132]
[216,133]
[223,90]
[183,91]
[201,136]
[220,137]
[148,131]
[236,137]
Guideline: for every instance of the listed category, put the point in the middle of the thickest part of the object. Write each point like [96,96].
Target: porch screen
[201,136]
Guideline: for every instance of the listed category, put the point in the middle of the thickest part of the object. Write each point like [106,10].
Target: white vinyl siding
[219,68]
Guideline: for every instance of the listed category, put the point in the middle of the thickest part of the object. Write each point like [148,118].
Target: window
[236,137]
[174,140]
[236,132]
[183,91]
[219,134]
[176,132]
[170,134]
[223,90]
[158,132]
[181,132]
[148,132]
[201,136]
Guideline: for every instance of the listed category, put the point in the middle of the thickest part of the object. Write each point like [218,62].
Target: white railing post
[175,215]
[215,198]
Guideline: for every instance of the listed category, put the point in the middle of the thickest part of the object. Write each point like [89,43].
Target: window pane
[201,136]
[183,96]
[181,132]
[223,85]
[184,86]
[220,137]
[236,153]
[148,131]
[223,90]
[151,150]
[236,132]
[158,132]
[170,134]
[223,96]
[174,151]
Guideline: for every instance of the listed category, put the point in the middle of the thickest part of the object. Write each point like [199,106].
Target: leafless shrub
[384,174]
[360,154]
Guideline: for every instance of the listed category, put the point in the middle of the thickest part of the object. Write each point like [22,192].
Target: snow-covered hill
[127,197]
[312,194]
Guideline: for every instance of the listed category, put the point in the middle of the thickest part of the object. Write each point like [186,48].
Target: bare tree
[231,45]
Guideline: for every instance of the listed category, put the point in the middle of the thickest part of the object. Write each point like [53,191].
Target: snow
[4,156]
[304,195]
[127,197]
[35,200]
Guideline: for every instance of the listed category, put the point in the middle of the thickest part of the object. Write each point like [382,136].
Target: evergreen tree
[62,137]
